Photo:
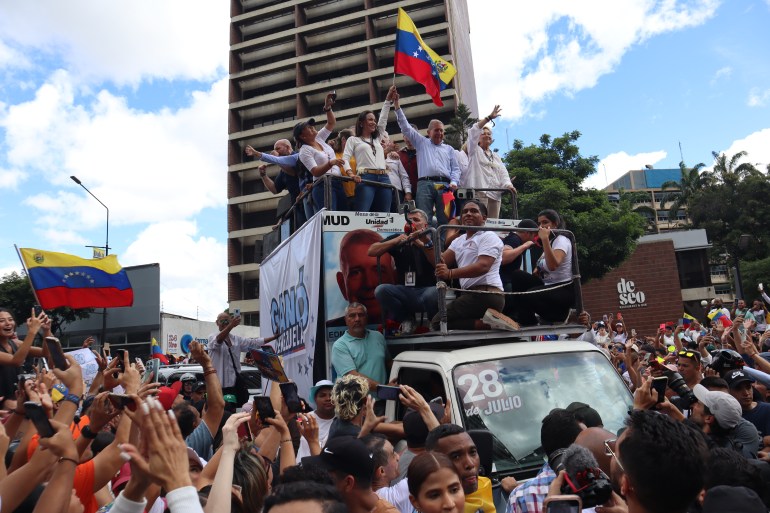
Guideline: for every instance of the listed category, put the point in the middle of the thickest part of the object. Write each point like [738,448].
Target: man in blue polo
[436,164]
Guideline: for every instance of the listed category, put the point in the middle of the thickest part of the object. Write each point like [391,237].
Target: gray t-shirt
[201,441]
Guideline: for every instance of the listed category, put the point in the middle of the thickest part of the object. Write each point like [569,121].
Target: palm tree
[690,183]
[457,129]
[637,201]
[729,172]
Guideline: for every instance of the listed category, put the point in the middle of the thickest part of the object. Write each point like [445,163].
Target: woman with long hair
[434,484]
[13,353]
[366,147]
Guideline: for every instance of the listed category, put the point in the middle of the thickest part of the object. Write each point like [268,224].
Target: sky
[131,97]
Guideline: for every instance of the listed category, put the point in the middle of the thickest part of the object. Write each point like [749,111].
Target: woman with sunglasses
[366,147]
[485,168]
[434,484]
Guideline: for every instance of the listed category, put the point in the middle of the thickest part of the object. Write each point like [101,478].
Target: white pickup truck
[508,388]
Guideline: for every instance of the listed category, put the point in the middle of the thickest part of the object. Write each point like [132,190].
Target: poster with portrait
[350,274]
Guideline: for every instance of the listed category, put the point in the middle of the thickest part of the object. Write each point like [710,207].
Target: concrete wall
[650,274]
[173,329]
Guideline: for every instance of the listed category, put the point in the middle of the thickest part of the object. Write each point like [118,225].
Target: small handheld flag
[157,352]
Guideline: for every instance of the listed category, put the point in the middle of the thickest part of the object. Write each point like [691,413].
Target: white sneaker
[499,321]
[407,327]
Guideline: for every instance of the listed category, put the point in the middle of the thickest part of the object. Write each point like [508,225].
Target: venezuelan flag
[718,315]
[60,279]
[415,59]
[687,319]
[157,352]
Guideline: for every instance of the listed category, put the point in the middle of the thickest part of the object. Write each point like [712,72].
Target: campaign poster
[289,292]
[350,274]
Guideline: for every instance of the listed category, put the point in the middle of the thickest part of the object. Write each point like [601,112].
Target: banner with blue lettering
[289,289]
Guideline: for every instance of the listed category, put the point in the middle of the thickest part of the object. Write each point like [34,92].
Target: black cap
[415,430]
[737,376]
[299,127]
[347,455]
[526,223]
[200,386]
[586,414]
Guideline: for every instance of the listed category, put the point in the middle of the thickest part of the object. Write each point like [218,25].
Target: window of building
[694,271]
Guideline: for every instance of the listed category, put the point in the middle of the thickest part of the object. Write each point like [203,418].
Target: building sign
[629,296]
[172,345]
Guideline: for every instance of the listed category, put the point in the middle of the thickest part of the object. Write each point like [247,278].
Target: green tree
[730,172]
[691,182]
[550,175]
[16,295]
[456,133]
[637,201]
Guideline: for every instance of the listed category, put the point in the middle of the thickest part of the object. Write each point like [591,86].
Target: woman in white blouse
[485,168]
[366,147]
[318,157]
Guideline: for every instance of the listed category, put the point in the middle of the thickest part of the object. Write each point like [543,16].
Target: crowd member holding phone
[13,354]
[225,350]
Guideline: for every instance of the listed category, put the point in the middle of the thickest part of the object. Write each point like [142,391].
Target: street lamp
[743,243]
[106,249]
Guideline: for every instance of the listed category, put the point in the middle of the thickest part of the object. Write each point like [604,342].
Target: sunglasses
[689,354]
[609,452]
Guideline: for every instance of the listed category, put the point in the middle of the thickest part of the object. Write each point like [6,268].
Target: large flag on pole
[60,279]
[415,59]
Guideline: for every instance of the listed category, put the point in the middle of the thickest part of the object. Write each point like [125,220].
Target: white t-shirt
[323,434]
[564,271]
[467,251]
[398,495]
[311,157]
[397,174]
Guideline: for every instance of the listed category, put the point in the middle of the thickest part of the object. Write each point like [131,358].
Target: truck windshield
[511,397]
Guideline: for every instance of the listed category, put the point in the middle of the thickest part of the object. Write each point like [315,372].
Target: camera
[465,194]
[725,360]
[677,384]
[583,476]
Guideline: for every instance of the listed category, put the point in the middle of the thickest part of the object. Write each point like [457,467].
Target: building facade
[285,56]
[649,202]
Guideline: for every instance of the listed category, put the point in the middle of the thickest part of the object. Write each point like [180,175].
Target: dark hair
[328,496]
[657,449]
[185,418]
[299,473]
[714,382]
[375,442]
[559,430]
[102,440]
[440,432]
[482,207]
[552,216]
[360,124]
[727,467]
[343,134]
[423,465]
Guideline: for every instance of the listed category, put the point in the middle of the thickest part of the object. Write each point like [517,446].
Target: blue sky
[132,98]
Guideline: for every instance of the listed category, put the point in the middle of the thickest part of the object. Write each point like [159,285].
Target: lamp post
[106,248]
[743,243]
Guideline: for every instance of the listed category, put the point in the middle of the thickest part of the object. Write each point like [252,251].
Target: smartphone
[291,396]
[388,393]
[38,310]
[563,504]
[36,413]
[264,407]
[633,332]
[437,400]
[334,96]
[151,371]
[56,353]
[660,384]
[236,312]
[106,350]
[122,401]
[121,362]
[663,326]
[605,319]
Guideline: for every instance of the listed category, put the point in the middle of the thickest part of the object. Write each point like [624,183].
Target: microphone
[583,476]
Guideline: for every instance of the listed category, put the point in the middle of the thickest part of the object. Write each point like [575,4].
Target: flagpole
[26,271]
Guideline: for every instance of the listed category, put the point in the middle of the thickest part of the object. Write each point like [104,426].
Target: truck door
[429,381]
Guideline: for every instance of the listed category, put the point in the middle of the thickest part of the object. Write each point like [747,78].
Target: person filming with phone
[225,350]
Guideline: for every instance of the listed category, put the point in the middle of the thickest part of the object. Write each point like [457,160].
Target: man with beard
[657,465]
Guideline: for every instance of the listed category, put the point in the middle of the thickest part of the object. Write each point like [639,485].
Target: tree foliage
[691,182]
[550,175]
[456,132]
[16,295]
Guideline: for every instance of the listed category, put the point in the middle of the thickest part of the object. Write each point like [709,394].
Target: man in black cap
[351,465]
[515,245]
[741,388]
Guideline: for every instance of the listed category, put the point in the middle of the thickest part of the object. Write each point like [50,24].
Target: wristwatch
[428,244]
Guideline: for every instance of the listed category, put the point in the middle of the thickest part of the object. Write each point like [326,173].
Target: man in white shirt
[474,259]
[321,398]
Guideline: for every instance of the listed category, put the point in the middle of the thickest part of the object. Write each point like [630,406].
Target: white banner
[289,289]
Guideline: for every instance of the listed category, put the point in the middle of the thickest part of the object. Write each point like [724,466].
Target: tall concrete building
[285,55]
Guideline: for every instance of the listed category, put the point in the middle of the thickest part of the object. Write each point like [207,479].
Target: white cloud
[147,167]
[617,164]
[592,39]
[757,145]
[192,268]
[758,98]
[722,73]
[121,41]
[10,178]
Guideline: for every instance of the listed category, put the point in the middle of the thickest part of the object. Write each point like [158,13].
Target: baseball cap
[299,127]
[167,395]
[737,376]
[723,406]
[415,430]
[526,223]
[600,324]
[586,414]
[123,476]
[345,454]
[318,386]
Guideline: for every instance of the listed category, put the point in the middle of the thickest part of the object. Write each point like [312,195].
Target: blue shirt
[432,159]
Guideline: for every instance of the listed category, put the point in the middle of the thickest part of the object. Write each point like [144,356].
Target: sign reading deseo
[628,296]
